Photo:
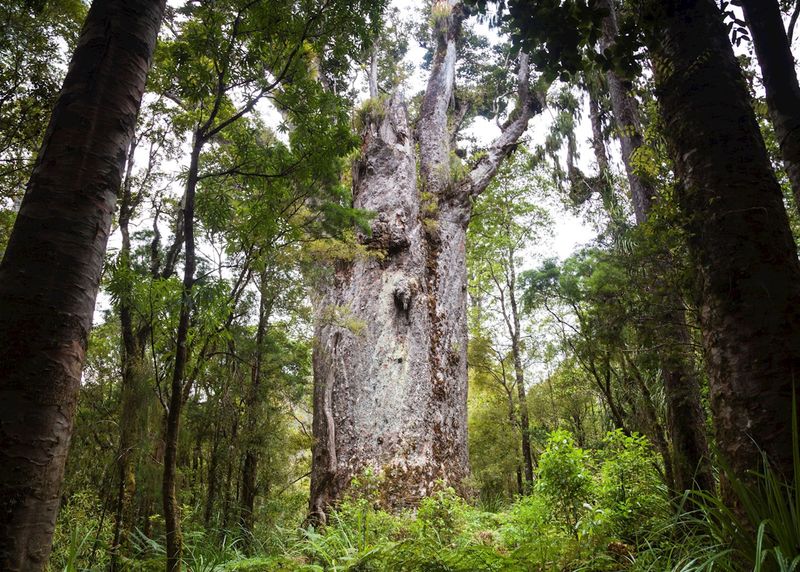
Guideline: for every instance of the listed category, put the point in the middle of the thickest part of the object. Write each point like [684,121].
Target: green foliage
[564,478]
[763,534]
[562,35]
[371,112]
[614,493]
[631,493]
[82,536]
[35,43]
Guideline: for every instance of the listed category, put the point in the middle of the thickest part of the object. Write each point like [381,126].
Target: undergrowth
[598,511]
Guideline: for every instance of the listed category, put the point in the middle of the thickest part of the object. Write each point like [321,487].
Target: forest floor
[445,534]
[601,511]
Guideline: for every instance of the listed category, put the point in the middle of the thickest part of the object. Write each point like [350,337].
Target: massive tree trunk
[691,465]
[780,81]
[390,365]
[51,270]
[739,235]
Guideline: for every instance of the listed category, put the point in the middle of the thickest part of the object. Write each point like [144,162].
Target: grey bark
[390,365]
[628,122]
[511,316]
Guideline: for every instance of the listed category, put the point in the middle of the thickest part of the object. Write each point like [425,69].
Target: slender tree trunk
[514,422]
[211,493]
[172,517]
[598,139]
[691,465]
[253,412]
[515,331]
[739,234]
[656,429]
[228,508]
[775,58]
[373,73]
[134,378]
[51,270]
[391,337]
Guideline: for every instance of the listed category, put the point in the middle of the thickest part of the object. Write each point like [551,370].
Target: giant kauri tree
[391,338]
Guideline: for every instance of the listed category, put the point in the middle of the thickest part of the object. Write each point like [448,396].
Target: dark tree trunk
[253,412]
[739,235]
[134,378]
[390,365]
[691,466]
[775,58]
[172,519]
[515,331]
[211,493]
[655,428]
[227,500]
[51,270]
[686,420]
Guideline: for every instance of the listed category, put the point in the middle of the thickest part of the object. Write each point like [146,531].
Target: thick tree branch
[528,105]
[792,22]
[432,130]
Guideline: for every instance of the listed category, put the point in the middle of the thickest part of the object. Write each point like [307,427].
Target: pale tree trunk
[739,235]
[627,121]
[390,352]
[691,465]
[51,270]
[778,74]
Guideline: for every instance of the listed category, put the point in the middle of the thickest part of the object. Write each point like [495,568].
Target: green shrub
[564,478]
[441,517]
[82,536]
[632,497]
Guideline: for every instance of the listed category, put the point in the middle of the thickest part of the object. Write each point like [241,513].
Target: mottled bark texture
[390,364]
[627,121]
[775,59]
[691,466]
[51,270]
[743,251]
